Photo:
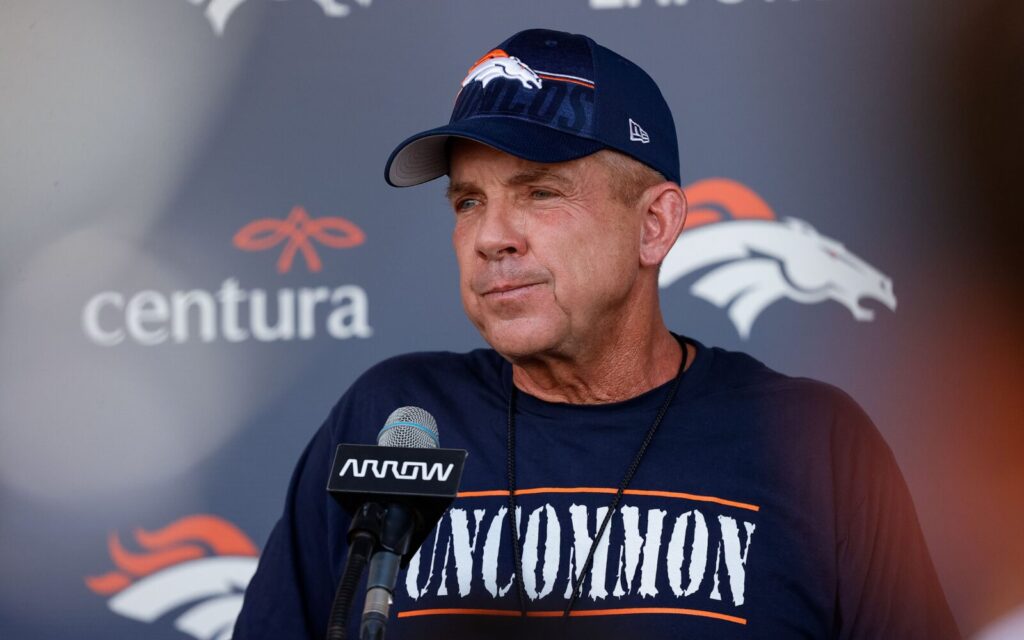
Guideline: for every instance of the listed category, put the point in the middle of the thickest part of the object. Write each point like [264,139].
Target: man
[659,487]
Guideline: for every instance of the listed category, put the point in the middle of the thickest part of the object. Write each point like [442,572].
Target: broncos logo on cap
[498,64]
[199,563]
[755,260]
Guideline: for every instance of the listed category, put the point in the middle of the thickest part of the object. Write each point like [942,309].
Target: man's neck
[622,371]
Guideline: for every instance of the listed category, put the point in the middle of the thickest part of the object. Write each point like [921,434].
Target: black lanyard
[517,554]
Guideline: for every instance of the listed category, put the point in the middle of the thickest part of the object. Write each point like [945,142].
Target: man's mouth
[510,290]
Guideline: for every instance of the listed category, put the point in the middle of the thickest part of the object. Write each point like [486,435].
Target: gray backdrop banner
[199,255]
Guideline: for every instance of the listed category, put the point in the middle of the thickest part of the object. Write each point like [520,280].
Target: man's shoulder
[794,411]
[729,369]
[739,373]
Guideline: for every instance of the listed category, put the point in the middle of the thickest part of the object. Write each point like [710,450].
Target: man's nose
[501,231]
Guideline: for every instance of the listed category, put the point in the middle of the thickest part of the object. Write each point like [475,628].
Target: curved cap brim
[424,156]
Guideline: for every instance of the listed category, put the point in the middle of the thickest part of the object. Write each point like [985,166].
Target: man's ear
[663,219]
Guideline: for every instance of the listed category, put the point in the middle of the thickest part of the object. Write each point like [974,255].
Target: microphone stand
[380,583]
[363,533]
[383,533]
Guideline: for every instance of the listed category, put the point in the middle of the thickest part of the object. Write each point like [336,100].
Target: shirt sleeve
[887,587]
[290,595]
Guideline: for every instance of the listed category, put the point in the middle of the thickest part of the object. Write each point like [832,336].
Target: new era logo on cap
[637,133]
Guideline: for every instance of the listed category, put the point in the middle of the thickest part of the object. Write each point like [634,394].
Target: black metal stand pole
[363,534]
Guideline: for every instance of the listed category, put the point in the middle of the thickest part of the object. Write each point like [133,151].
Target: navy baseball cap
[548,96]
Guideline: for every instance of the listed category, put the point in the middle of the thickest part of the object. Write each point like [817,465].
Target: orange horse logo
[749,260]
[201,563]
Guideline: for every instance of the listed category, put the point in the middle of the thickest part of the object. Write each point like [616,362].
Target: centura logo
[218,12]
[407,470]
[235,314]
[498,64]
[298,229]
[196,568]
[753,259]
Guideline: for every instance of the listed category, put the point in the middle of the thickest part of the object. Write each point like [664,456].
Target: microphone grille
[409,427]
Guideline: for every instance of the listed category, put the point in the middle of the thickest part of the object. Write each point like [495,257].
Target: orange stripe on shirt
[608,490]
[581,613]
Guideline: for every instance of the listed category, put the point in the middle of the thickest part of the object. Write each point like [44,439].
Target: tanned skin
[561,277]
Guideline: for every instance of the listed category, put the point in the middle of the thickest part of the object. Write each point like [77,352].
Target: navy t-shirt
[765,507]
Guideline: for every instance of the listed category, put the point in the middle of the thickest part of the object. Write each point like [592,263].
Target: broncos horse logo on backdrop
[219,11]
[752,259]
[197,567]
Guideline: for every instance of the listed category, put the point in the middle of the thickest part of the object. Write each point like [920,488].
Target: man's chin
[519,342]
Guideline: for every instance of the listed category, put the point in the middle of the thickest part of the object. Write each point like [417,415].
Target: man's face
[547,256]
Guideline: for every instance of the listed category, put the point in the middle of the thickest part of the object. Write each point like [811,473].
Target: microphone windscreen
[409,427]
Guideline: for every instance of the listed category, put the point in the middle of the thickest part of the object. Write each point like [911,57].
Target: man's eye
[542,194]
[466,203]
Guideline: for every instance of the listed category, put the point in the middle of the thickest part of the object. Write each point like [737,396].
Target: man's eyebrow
[523,177]
[456,188]
[533,175]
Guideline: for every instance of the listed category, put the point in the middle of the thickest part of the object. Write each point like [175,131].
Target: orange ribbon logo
[298,229]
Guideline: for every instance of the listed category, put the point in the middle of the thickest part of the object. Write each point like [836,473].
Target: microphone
[395,493]
[405,427]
